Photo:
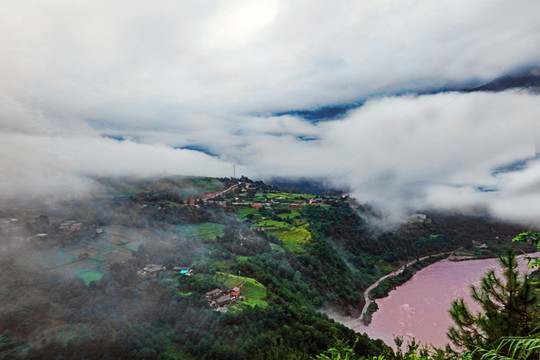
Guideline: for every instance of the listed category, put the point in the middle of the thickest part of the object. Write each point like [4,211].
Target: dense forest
[71,285]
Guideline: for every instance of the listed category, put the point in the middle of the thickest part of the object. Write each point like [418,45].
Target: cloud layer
[210,74]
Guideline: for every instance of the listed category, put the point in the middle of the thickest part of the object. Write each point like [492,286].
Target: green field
[259,198]
[203,231]
[254,291]
[90,276]
[244,212]
[290,197]
[293,237]
[242,259]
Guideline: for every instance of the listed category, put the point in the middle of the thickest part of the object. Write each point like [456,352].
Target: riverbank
[370,306]
[393,282]
[419,308]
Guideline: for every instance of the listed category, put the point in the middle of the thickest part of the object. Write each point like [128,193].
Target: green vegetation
[203,231]
[385,267]
[372,308]
[243,213]
[293,237]
[254,291]
[90,276]
[291,215]
[509,308]
[242,259]
[290,197]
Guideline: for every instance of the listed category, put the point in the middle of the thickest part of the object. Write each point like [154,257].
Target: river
[419,307]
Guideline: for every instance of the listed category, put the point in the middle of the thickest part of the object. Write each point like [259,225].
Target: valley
[203,268]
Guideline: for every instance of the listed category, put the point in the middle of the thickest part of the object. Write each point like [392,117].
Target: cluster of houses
[240,193]
[151,270]
[240,201]
[220,300]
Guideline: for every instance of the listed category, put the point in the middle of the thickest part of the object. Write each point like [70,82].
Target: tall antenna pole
[234,171]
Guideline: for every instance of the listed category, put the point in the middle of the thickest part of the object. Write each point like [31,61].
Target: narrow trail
[367,299]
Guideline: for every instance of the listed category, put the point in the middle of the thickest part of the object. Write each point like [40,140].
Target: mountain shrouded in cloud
[212,75]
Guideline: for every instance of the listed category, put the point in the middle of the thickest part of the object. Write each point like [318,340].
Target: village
[244,193]
[219,298]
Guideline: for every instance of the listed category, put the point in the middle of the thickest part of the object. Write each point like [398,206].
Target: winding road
[367,299]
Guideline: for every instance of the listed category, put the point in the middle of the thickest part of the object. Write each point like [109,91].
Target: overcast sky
[163,75]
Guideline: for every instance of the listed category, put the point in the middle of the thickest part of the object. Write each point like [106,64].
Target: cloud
[405,153]
[210,74]
[56,166]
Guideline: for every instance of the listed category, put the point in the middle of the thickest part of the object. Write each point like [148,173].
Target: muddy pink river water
[419,308]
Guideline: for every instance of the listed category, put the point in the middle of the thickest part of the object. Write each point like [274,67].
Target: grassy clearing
[254,291]
[203,231]
[244,212]
[290,196]
[292,214]
[242,259]
[293,237]
[90,276]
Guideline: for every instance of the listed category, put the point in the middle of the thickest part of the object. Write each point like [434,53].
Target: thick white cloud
[210,73]
[406,153]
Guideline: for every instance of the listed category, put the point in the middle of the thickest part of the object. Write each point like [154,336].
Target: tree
[509,308]
[533,237]
[340,351]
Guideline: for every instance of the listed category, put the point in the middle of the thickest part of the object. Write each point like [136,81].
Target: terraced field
[203,231]
[91,259]
[293,237]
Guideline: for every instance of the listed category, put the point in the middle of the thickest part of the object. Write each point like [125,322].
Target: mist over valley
[220,180]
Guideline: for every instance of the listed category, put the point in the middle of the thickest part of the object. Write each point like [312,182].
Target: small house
[213,293]
[224,300]
[183,270]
